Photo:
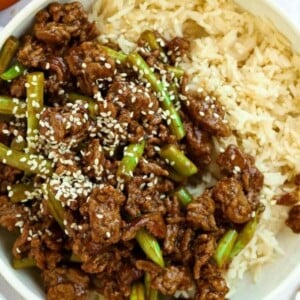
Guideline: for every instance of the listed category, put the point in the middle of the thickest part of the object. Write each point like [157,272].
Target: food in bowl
[108,145]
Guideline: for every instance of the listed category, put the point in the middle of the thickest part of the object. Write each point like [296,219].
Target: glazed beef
[293,220]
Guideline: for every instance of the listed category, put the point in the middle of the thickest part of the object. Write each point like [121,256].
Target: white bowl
[279,280]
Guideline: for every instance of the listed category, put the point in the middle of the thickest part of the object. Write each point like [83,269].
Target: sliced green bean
[20,192]
[173,119]
[224,248]
[55,207]
[178,72]
[137,291]
[12,106]
[244,236]
[177,159]
[132,155]
[93,106]
[23,263]
[26,162]
[8,52]
[18,144]
[35,103]
[150,246]
[150,293]
[183,195]
[13,72]
[116,55]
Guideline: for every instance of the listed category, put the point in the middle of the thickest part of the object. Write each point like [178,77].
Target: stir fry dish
[101,152]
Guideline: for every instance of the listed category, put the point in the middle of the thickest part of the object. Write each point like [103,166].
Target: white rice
[250,67]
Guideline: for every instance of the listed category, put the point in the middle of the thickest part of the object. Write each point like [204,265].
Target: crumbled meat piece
[89,63]
[211,285]
[204,248]
[68,124]
[104,213]
[289,199]
[93,159]
[8,176]
[152,167]
[17,87]
[177,48]
[66,283]
[59,23]
[234,162]
[198,143]
[9,213]
[234,203]
[208,113]
[200,212]
[293,220]
[174,213]
[154,223]
[178,243]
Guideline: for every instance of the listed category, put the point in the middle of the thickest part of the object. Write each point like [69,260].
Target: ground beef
[235,162]
[17,87]
[177,48]
[208,113]
[59,23]
[65,283]
[8,176]
[198,143]
[104,212]
[211,285]
[293,220]
[200,212]
[88,63]
[234,203]
[288,199]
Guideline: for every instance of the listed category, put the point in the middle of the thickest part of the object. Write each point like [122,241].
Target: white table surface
[289,7]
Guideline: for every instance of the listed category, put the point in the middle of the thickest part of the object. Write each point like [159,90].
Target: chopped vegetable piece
[177,159]
[178,72]
[244,236]
[93,106]
[7,53]
[174,119]
[175,176]
[55,207]
[116,55]
[20,192]
[132,155]
[23,263]
[35,102]
[224,247]
[137,292]
[18,144]
[12,106]
[183,196]
[26,162]
[150,293]
[150,246]
[13,72]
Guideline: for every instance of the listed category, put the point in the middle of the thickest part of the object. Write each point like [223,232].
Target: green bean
[244,236]
[137,291]
[150,293]
[23,263]
[224,247]
[177,159]
[12,106]
[13,72]
[183,195]
[150,246]
[178,72]
[174,119]
[8,52]
[55,207]
[17,144]
[26,162]
[116,55]
[35,102]
[132,155]
[20,192]
[92,105]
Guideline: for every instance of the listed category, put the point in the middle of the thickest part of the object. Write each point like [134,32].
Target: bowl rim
[27,12]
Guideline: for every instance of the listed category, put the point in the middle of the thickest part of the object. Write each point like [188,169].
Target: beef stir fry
[98,149]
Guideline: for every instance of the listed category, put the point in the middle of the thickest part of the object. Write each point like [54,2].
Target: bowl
[278,280]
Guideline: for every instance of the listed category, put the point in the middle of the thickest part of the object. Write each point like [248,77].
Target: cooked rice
[250,67]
